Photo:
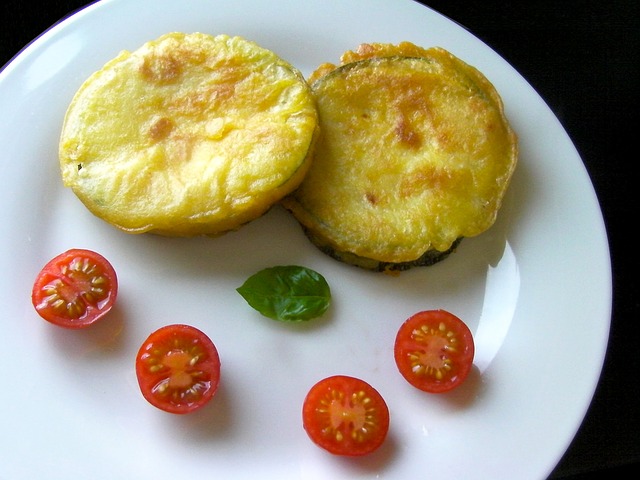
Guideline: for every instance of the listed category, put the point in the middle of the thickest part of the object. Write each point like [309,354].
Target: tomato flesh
[75,289]
[434,351]
[178,369]
[345,416]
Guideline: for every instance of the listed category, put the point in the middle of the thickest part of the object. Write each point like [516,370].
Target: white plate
[535,289]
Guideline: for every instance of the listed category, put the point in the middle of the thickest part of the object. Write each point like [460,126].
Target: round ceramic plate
[535,289]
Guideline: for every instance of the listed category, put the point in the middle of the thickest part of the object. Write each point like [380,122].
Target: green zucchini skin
[428,258]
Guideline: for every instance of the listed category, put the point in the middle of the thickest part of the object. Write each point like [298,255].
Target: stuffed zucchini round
[415,153]
[190,134]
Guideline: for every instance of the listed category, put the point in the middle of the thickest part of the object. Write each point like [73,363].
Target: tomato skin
[178,369]
[75,289]
[336,404]
[434,351]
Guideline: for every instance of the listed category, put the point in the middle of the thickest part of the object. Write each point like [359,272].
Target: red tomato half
[434,351]
[178,369]
[75,289]
[345,416]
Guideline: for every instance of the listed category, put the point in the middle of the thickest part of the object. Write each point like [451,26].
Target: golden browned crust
[190,134]
[415,154]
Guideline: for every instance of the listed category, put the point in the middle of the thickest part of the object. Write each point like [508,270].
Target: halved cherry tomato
[345,416]
[75,289]
[178,369]
[434,351]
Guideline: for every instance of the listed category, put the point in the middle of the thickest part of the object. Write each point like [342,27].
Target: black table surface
[582,58]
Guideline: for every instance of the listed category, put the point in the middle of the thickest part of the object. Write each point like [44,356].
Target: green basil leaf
[287,293]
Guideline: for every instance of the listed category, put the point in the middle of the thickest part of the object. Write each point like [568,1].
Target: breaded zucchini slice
[191,134]
[415,153]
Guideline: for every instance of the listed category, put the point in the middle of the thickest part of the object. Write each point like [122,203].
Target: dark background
[582,58]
